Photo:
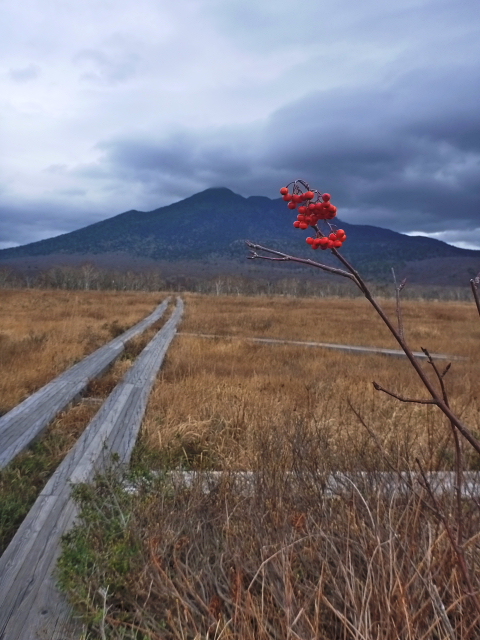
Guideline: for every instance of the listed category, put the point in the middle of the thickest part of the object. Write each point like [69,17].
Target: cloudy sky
[111,105]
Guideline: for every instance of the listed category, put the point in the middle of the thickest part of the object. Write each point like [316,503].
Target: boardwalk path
[397,353]
[20,426]
[31,608]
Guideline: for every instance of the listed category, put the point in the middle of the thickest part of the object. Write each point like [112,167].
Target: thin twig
[444,407]
[474,282]
[284,257]
[353,274]
[398,289]
[402,398]
[458,447]
[273,555]
[457,549]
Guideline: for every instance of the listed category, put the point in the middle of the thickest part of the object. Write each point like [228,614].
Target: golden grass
[214,395]
[286,560]
[24,477]
[42,333]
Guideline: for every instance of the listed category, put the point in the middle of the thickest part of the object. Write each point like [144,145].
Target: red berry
[292,205]
[302,209]
[303,225]
[296,224]
[297,198]
[287,197]
[337,244]
[340,233]
[332,236]
[309,240]
[326,197]
[284,191]
[323,242]
[308,195]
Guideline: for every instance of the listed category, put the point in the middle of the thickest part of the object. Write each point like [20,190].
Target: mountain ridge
[214,223]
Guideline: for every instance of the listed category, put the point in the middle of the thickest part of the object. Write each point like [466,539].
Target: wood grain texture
[25,422]
[31,607]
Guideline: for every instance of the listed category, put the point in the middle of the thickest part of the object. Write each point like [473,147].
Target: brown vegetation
[24,478]
[285,559]
[42,333]
[213,395]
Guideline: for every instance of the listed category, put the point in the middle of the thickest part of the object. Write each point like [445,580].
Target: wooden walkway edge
[31,607]
[25,422]
[396,353]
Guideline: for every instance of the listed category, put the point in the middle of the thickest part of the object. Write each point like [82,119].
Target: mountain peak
[214,223]
[215,194]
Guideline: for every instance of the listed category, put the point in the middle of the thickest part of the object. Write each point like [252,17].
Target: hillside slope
[215,223]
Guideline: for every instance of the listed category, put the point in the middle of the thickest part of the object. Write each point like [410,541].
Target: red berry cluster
[333,241]
[313,207]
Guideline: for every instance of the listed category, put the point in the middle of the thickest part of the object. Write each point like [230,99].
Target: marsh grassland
[215,395]
[284,558]
[42,333]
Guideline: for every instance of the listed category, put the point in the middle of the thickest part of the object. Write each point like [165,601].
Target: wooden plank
[25,422]
[31,607]
[397,353]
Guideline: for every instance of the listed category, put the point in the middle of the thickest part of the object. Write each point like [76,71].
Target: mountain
[213,225]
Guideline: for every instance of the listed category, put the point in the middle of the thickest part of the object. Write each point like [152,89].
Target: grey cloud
[24,74]
[72,192]
[56,168]
[466,239]
[25,223]
[402,150]
[103,68]
[182,163]
[406,156]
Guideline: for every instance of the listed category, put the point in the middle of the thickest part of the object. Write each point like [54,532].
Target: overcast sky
[111,105]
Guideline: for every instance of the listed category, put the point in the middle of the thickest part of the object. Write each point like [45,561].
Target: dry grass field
[286,559]
[215,395]
[42,333]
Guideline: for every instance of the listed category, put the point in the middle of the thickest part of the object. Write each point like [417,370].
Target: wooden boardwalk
[23,424]
[396,353]
[31,607]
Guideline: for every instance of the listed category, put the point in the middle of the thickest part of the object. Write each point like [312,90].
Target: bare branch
[474,282]
[398,308]
[439,401]
[446,370]
[458,446]
[284,257]
[401,398]
[458,549]
[361,284]
[439,375]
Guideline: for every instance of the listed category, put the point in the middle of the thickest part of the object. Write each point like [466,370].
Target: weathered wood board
[396,353]
[31,607]
[25,422]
